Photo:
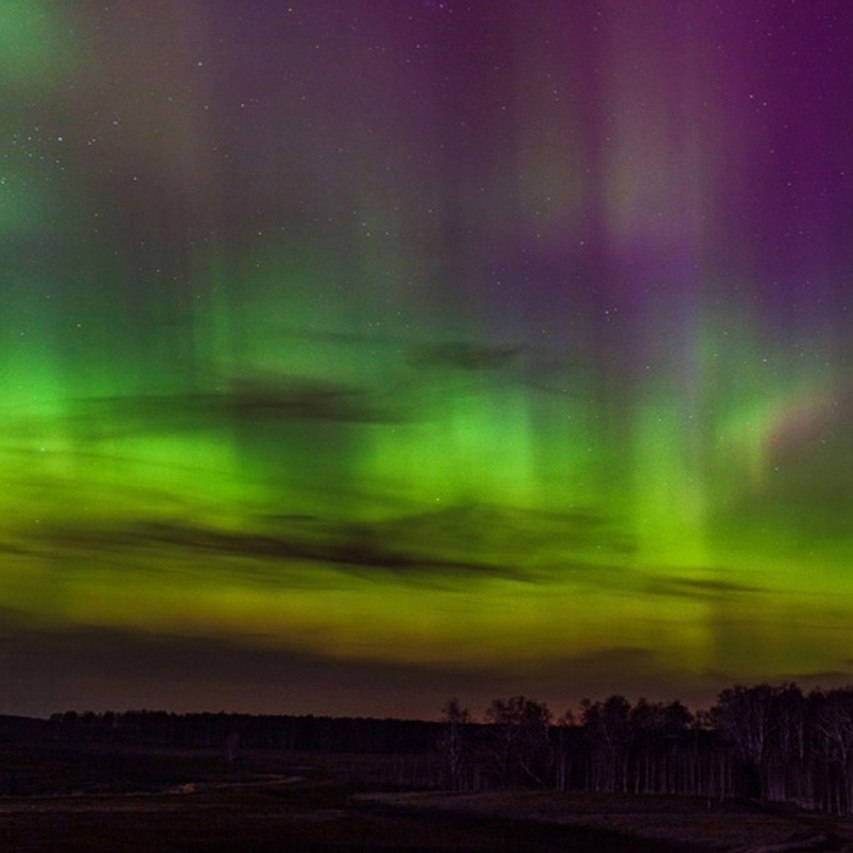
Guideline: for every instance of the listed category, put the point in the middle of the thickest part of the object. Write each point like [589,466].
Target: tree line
[761,741]
[765,742]
[307,733]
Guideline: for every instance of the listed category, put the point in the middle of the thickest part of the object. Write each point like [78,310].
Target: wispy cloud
[702,588]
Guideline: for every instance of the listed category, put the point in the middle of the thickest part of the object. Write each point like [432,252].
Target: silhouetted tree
[659,761]
[786,769]
[520,745]
[606,725]
[454,742]
[742,716]
[833,736]
[565,741]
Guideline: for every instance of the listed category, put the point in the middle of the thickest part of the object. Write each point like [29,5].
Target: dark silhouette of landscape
[767,767]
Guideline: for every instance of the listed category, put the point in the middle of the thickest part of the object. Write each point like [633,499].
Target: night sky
[359,353]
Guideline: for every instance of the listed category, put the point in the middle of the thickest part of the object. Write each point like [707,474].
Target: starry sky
[354,355]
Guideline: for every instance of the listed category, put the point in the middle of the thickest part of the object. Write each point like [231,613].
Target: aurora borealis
[359,354]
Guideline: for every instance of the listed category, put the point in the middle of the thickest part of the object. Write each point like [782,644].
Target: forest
[772,743]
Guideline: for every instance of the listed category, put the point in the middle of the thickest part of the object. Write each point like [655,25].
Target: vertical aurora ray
[476,341]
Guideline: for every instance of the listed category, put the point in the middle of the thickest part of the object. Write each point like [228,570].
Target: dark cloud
[710,585]
[545,370]
[526,534]
[460,355]
[828,678]
[284,557]
[12,618]
[241,401]
[352,547]
[452,545]
[804,679]
[554,373]
[631,671]
[705,588]
[617,656]
[628,580]
[303,399]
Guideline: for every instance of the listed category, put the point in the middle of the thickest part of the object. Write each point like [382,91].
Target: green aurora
[360,357]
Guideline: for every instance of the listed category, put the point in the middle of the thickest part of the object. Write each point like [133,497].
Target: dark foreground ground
[144,800]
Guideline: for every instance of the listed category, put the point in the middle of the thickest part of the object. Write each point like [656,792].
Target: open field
[285,815]
[99,799]
[688,823]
